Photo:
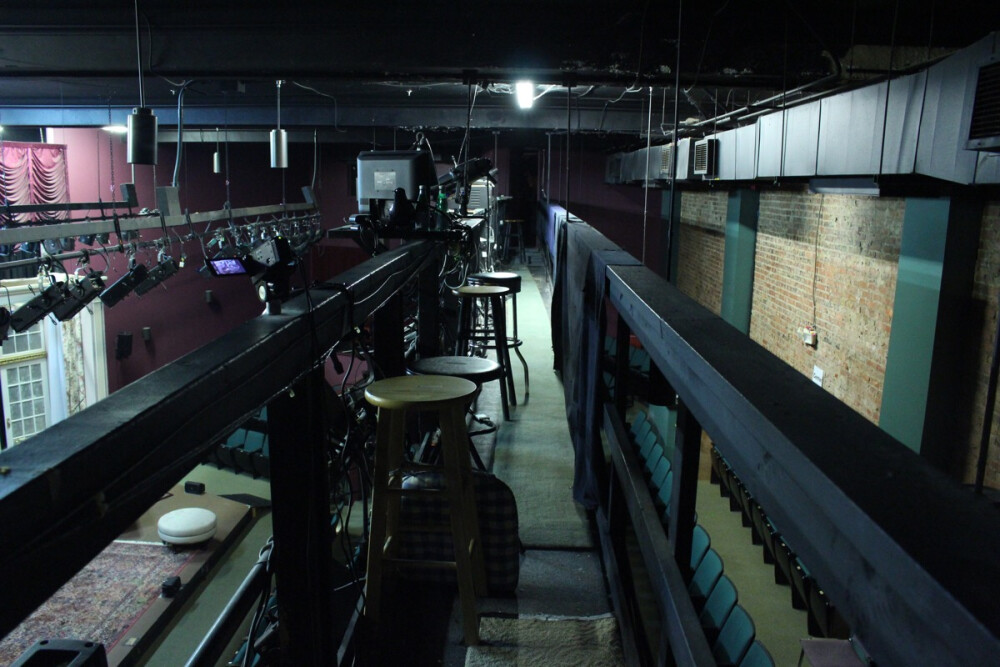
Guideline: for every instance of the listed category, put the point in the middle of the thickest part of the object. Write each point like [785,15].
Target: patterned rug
[102,601]
[553,641]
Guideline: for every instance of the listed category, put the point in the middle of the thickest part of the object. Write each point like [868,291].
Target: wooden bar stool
[512,281]
[448,397]
[491,332]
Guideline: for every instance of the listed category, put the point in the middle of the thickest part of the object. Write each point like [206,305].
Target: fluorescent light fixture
[864,185]
[115,129]
[525,93]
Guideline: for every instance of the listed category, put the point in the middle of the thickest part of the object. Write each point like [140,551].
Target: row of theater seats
[806,592]
[638,364]
[729,629]
[246,449]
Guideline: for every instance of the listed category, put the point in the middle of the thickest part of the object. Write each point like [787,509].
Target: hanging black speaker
[142,133]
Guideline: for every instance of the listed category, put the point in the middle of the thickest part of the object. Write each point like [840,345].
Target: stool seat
[188,525]
[420,392]
[474,369]
[507,279]
[483,290]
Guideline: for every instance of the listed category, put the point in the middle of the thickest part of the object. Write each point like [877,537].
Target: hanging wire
[180,131]
[645,179]
[138,56]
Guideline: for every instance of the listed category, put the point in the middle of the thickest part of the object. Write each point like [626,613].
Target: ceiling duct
[984,130]
[613,169]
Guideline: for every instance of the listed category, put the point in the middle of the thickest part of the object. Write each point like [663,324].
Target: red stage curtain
[33,174]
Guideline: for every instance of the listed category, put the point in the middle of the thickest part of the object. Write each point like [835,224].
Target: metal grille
[704,157]
[984,130]
[666,161]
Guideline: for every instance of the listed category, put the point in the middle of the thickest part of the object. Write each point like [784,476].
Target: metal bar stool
[513,234]
[473,369]
[512,281]
[490,332]
[448,397]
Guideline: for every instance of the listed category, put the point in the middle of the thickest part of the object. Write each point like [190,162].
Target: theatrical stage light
[78,294]
[119,289]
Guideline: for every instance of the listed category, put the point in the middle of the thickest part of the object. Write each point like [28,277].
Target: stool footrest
[424,528]
[414,491]
[422,564]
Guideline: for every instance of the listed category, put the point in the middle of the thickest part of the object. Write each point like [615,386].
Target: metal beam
[70,490]
[356,119]
[25,233]
[906,555]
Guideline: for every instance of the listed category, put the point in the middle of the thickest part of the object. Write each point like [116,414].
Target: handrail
[907,555]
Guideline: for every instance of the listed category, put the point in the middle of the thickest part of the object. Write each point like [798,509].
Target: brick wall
[984,294]
[701,247]
[831,261]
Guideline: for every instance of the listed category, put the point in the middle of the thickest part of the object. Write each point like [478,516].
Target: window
[24,377]
[50,370]
[26,399]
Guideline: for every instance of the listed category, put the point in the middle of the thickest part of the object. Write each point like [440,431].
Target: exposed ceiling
[403,64]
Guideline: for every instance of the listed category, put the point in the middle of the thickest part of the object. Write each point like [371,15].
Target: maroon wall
[178,314]
[614,210]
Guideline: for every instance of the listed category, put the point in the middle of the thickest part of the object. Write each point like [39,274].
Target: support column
[388,337]
[687,450]
[428,315]
[301,513]
[741,245]
[670,236]
[931,317]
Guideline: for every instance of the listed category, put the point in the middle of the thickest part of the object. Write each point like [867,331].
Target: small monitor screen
[381,172]
[226,267]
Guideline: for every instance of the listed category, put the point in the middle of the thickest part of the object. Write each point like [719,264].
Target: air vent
[984,130]
[704,157]
[666,161]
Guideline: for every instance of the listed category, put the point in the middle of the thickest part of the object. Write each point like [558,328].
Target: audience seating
[717,608]
[806,592]
[705,578]
[700,542]
[757,656]
[735,638]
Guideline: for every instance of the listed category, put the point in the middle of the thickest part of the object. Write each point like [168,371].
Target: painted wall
[180,316]
[614,210]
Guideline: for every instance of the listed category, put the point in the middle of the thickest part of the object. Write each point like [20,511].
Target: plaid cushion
[497,512]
